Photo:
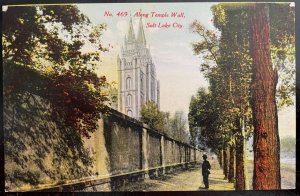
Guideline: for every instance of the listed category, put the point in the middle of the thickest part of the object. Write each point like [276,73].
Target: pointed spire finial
[131,36]
[141,39]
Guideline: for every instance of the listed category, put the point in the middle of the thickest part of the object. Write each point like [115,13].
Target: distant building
[137,74]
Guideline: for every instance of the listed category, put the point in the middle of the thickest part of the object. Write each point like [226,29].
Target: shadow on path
[189,180]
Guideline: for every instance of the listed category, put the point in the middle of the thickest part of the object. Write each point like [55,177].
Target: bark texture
[231,164]
[240,178]
[266,138]
[220,156]
[225,162]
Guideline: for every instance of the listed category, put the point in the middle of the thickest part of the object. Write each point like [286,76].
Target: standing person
[205,170]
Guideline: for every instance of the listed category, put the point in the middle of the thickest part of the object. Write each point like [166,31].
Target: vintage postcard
[169,96]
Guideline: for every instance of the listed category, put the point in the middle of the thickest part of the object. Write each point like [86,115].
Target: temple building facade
[137,74]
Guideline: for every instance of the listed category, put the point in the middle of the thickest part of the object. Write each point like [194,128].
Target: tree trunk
[231,164]
[225,162]
[221,158]
[240,180]
[266,138]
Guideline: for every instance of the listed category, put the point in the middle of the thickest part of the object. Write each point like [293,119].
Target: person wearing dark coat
[205,171]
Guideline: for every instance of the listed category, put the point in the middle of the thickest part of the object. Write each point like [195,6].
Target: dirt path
[190,180]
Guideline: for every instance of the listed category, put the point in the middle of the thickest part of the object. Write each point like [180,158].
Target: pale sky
[177,67]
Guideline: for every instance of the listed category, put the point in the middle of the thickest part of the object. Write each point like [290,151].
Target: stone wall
[44,155]
[39,152]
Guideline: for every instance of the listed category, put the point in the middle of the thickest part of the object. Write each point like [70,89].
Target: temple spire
[118,60]
[131,36]
[125,42]
[141,35]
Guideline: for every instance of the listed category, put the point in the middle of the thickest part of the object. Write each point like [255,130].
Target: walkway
[190,180]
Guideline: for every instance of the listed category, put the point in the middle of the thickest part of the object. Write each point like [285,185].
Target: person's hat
[204,156]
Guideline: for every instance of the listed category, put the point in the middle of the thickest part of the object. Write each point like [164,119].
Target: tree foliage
[173,126]
[49,41]
[151,115]
[227,64]
[233,19]
[178,128]
[204,121]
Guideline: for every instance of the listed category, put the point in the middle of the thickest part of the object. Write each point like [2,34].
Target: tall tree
[231,163]
[232,20]
[178,126]
[265,77]
[228,66]
[151,115]
[203,121]
[49,40]
[52,95]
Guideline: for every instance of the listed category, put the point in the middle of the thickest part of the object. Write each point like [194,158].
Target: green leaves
[227,64]
[56,34]
[47,42]
[75,97]
[174,126]
[199,47]
[151,115]
[204,119]
[208,46]
[80,97]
